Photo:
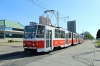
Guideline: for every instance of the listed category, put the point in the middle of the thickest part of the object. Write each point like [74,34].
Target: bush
[13,41]
[10,40]
[98,43]
[16,41]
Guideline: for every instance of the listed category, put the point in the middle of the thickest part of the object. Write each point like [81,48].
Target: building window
[1,35]
[17,36]
[9,35]
[1,27]
[8,28]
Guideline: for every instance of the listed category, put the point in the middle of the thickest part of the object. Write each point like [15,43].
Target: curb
[10,42]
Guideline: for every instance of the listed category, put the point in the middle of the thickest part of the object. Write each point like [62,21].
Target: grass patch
[98,43]
[10,41]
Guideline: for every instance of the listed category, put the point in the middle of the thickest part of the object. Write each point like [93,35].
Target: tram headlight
[24,44]
[33,44]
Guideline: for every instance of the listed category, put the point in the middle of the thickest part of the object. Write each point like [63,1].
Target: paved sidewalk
[10,48]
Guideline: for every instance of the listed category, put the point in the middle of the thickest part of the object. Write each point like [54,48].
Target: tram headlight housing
[24,44]
[33,44]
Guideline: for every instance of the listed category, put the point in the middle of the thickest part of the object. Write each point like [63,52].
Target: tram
[44,38]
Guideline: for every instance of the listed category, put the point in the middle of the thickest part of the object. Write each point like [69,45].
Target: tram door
[76,38]
[48,40]
[67,38]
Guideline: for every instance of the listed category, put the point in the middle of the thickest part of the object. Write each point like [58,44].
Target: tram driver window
[40,31]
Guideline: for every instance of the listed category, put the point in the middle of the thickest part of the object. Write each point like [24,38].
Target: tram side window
[57,33]
[69,35]
[62,34]
[81,37]
[74,36]
[77,36]
[40,31]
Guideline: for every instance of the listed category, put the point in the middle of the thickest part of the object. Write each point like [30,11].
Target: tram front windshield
[30,31]
[34,31]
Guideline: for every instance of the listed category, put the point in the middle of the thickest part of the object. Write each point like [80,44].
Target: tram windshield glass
[40,31]
[30,31]
[34,31]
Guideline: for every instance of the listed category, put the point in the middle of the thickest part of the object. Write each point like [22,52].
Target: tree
[98,34]
[88,36]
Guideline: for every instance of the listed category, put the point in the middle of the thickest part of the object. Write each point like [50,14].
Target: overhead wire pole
[51,11]
[64,18]
[58,18]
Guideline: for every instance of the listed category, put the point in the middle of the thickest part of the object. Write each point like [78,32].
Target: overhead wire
[43,4]
[33,2]
[45,8]
[49,7]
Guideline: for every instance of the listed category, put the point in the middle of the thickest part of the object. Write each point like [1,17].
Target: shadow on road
[88,62]
[18,55]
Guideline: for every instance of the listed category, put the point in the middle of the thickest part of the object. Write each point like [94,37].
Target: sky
[85,12]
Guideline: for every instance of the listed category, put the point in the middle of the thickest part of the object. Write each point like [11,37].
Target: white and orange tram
[43,38]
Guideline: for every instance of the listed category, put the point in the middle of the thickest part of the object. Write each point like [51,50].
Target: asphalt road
[82,55]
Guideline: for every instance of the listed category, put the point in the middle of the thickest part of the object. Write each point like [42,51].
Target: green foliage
[10,40]
[88,36]
[13,41]
[98,34]
[98,42]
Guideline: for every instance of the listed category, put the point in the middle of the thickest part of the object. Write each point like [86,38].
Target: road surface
[79,55]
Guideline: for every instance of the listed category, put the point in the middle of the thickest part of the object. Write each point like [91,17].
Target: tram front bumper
[30,48]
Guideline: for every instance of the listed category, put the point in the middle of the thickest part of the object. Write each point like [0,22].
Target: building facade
[9,29]
[71,26]
[44,20]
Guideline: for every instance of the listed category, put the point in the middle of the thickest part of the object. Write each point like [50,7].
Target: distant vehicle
[43,38]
